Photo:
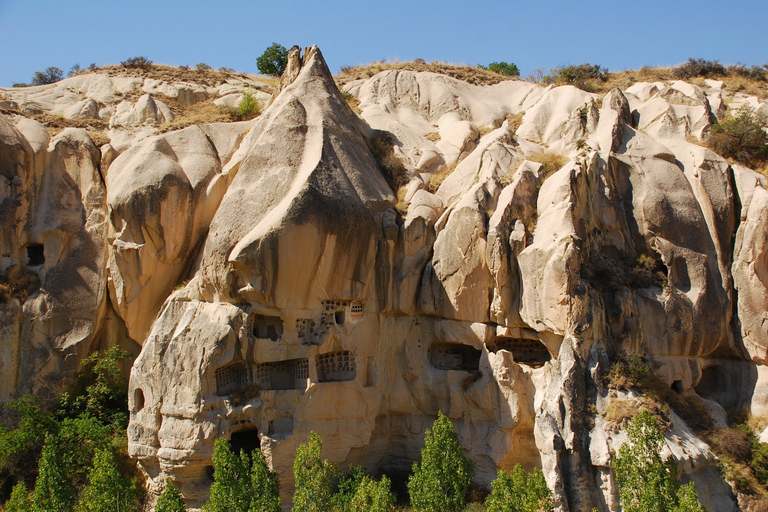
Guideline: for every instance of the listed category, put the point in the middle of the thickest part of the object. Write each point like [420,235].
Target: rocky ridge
[268,285]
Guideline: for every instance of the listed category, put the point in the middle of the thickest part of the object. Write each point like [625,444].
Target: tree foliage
[108,490]
[648,483]
[50,75]
[440,482]
[54,490]
[265,486]
[313,477]
[170,500]
[242,482]
[20,500]
[518,491]
[742,138]
[504,68]
[273,61]
[230,491]
[373,496]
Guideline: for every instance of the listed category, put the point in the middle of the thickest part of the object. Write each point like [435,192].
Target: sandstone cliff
[269,286]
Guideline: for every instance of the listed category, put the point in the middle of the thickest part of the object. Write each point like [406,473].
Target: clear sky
[617,34]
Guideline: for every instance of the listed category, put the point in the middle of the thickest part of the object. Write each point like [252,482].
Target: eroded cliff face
[274,288]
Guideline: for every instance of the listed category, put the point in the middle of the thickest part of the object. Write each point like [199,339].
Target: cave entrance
[529,352]
[268,327]
[454,356]
[35,255]
[246,439]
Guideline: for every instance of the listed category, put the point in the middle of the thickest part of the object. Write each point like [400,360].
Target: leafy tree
[273,61]
[648,483]
[440,482]
[231,489]
[107,489]
[170,500]
[348,485]
[517,491]
[54,491]
[19,500]
[504,68]
[313,476]
[49,76]
[265,486]
[372,496]
[741,138]
[21,445]
[102,390]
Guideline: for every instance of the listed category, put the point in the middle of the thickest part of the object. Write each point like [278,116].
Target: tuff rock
[270,283]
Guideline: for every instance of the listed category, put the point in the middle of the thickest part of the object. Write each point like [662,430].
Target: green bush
[348,485]
[503,68]
[440,482]
[699,67]
[248,107]
[758,73]
[648,483]
[373,496]
[313,477]
[202,66]
[517,491]
[741,138]
[19,500]
[137,62]
[273,61]
[170,500]
[49,76]
[581,76]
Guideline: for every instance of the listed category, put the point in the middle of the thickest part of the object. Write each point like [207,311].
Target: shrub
[699,67]
[313,476]
[137,62]
[440,482]
[202,66]
[49,76]
[581,76]
[348,485]
[170,500]
[273,61]
[518,491]
[758,73]
[19,500]
[248,107]
[75,70]
[503,68]
[741,138]
[648,483]
[373,496]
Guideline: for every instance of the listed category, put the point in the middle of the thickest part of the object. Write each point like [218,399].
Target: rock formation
[269,285]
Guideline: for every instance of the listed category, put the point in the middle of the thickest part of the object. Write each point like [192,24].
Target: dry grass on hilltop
[470,74]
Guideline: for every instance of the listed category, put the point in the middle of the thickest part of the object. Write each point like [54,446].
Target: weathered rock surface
[272,287]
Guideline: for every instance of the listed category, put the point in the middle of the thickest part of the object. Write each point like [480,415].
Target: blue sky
[35,34]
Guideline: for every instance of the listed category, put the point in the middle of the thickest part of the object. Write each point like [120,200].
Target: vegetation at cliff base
[646,481]
[518,491]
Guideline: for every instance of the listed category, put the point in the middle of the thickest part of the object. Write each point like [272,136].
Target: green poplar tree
[440,482]
[107,490]
[648,483]
[54,491]
[373,496]
[19,500]
[170,500]
[313,476]
[264,484]
[518,491]
[231,489]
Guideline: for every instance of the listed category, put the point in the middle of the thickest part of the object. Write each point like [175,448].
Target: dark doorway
[247,440]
